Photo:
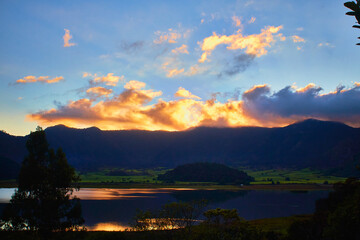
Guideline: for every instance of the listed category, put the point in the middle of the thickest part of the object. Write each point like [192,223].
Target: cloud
[174,72]
[139,108]
[237,21]
[171,36]
[109,79]
[67,37]
[297,39]
[289,104]
[42,79]
[182,92]
[238,64]
[174,69]
[97,92]
[132,47]
[133,84]
[182,49]
[252,20]
[326,44]
[254,44]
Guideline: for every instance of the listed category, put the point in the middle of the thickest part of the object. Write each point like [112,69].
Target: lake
[113,209]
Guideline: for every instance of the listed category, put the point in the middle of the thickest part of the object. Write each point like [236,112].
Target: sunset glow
[173,66]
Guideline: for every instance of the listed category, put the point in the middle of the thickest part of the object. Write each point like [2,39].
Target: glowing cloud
[182,49]
[237,21]
[109,79]
[96,92]
[252,20]
[297,39]
[133,84]
[182,92]
[254,44]
[174,72]
[42,79]
[171,36]
[136,108]
[67,37]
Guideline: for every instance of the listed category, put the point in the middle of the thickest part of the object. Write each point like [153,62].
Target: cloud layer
[138,108]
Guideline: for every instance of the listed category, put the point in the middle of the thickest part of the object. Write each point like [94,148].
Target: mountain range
[307,144]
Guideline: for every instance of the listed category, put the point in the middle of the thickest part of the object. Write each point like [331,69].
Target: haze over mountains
[311,143]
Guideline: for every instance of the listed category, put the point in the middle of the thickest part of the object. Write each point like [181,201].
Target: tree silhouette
[355,7]
[43,201]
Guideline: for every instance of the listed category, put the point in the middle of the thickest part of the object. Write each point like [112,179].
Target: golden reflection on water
[112,194]
[108,226]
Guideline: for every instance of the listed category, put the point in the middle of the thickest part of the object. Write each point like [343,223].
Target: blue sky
[153,49]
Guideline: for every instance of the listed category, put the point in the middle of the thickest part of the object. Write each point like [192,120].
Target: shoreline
[285,187]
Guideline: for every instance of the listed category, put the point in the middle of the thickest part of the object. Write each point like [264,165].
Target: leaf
[351,13]
[352,5]
[358,44]
[356,26]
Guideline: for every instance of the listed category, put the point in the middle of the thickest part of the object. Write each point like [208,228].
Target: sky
[175,65]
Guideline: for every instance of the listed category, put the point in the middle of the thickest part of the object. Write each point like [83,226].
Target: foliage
[43,201]
[171,216]
[336,217]
[206,172]
[220,216]
[355,7]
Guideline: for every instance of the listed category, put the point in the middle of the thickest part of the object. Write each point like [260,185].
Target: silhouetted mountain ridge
[310,143]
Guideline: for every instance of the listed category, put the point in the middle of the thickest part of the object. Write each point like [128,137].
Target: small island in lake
[206,172]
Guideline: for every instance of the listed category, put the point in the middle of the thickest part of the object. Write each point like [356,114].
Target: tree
[336,217]
[355,7]
[221,216]
[43,201]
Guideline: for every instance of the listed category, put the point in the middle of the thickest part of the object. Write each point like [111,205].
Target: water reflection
[112,209]
[212,196]
[108,226]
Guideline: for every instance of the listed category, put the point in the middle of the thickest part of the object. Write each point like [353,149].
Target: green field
[149,177]
[144,178]
[286,176]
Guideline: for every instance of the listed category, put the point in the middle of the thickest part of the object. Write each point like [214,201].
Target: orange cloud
[137,108]
[67,37]
[133,84]
[43,79]
[252,20]
[96,92]
[109,79]
[297,39]
[182,92]
[182,49]
[237,21]
[174,72]
[171,36]
[132,109]
[254,44]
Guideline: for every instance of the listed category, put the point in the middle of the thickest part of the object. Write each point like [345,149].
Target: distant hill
[311,143]
[9,169]
[206,172]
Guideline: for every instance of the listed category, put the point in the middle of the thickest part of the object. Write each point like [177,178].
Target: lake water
[113,209]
